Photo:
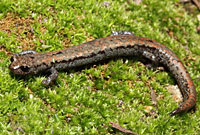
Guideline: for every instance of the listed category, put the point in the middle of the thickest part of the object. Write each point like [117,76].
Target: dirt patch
[22,28]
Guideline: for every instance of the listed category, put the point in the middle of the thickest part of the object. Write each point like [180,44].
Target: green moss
[84,101]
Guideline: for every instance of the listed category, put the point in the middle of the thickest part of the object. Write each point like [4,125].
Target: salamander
[119,44]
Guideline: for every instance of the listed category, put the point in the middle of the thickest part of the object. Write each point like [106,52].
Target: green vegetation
[84,101]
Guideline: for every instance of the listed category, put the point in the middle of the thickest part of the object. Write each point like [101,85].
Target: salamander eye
[24,68]
[12,59]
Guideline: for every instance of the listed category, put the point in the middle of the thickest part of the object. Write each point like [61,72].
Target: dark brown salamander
[119,44]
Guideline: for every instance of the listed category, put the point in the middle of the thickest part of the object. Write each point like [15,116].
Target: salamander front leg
[52,77]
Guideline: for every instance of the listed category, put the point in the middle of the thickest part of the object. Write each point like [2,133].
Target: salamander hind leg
[52,77]
[151,61]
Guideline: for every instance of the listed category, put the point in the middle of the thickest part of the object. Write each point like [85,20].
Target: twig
[185,1]
[117,126]
[197,3]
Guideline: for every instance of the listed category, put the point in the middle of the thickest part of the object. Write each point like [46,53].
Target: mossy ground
[84,101]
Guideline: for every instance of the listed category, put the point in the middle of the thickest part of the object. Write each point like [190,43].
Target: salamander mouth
[19,70]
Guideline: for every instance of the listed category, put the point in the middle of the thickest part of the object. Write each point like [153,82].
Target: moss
[84,101]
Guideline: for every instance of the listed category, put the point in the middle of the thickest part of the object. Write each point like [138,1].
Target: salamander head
[21,65]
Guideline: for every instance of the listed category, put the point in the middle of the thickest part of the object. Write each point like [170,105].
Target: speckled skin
[30,62]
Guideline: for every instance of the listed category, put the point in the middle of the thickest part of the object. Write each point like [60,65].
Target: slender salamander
[120,43]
